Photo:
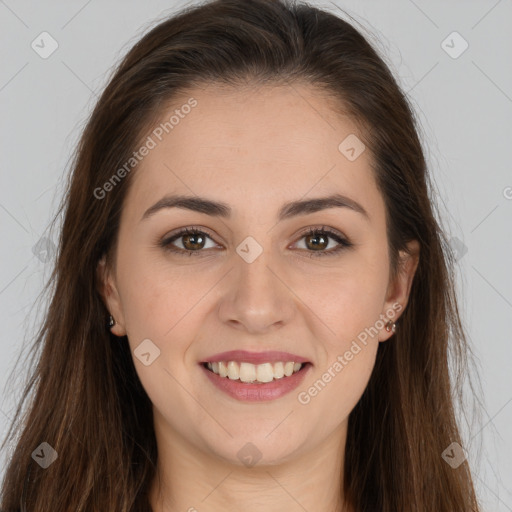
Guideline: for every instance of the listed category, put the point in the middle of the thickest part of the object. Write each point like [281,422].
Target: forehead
[252,144]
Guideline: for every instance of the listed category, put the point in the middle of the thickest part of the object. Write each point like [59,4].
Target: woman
[252,306]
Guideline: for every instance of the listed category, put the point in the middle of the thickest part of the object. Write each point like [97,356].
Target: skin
[254,149]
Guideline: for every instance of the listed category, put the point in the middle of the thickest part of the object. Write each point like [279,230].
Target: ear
[399,286]
[108,290]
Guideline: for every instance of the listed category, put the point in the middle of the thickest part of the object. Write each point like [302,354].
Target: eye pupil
[315,239]
[194,245]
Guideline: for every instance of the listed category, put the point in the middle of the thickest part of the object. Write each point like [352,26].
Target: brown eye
[193,242]
[187,242]
[317,241]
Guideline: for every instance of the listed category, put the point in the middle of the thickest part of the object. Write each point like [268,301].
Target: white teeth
[233,370]
[278,370]
[223,369]
[248,372]
[265,372]
[288,369]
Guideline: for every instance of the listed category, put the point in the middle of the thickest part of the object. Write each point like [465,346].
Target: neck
[194,480]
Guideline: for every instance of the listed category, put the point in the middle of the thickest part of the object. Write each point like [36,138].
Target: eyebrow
[223,210]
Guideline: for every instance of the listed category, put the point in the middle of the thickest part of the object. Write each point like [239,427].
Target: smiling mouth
[255,373]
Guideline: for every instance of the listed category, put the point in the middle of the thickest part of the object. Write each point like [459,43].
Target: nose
[256,298]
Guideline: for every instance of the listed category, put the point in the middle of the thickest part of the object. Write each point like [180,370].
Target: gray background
[464,105]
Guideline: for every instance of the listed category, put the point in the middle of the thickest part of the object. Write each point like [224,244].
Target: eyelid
[341,240]
[179,232]
[315,228]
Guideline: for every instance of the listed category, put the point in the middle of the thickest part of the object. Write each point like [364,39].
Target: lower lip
[257,392]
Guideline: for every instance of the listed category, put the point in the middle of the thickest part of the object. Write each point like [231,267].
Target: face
[276,283]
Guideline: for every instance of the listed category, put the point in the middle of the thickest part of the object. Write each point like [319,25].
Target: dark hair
[86,400]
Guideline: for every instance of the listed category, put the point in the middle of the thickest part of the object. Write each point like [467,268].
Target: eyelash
[324,230]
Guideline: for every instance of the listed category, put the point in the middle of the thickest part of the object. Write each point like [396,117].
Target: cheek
[165,307]
[155,296]
[328,398]
[345,360]
[348,301]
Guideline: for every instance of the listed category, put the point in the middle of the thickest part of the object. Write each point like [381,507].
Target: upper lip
[271,356]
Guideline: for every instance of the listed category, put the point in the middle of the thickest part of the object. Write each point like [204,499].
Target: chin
[256,450]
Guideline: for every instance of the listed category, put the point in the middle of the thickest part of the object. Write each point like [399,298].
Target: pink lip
[260,391]
[240,356]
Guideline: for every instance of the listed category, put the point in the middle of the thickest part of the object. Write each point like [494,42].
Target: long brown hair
[84,397]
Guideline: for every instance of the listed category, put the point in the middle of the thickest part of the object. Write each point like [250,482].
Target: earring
[111,321]
[391,326]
